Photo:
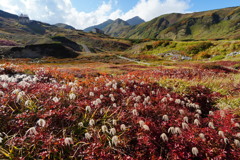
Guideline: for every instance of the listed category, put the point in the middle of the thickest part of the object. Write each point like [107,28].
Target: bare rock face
[40,51]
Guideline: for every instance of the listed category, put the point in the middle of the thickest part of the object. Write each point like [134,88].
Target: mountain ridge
[102,26]
[135,21]
[213,24]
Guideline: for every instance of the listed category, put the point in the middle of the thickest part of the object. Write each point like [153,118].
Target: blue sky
[84,13]
[125,5]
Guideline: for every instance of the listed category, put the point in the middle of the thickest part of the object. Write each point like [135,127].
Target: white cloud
[149,9]
[55,11]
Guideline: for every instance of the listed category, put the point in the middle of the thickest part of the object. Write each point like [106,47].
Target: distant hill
[65,26]
[15,30]
[99,26]
[135,21]
[214,24]
[116,27]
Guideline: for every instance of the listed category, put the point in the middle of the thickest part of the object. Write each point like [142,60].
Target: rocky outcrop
[40,51]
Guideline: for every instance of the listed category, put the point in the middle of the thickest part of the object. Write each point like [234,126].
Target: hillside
[24,32]
[65,26]
[214,24]
[135,21]
[116,27]
[99,26]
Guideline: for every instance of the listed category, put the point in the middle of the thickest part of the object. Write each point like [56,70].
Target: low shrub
[194,49]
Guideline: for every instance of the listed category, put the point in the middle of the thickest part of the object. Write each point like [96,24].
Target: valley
[168,88]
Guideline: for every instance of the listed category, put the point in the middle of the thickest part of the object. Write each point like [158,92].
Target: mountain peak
[120,21]
[135,21]
[99,26]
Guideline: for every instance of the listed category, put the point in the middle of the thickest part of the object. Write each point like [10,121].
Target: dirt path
[133,60]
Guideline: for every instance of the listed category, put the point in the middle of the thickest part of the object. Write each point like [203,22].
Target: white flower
[135,105]
[101,96]
[114,121]
[182,103]
[115,140]
[145,127]
[41,122]
[114,105]
[181,111]
[80,124]
[1,93]
[196,122]
[211,113]
[165,117]
[185,125]
[112,99]
[199,111]
[196,106]
[4,85]
[32,130]
[201,135]
[123,127]
[197,115]
[177,101]
[221,133]
[68,141]
[137,99]
[91,122]
[95,88]
[56,100]
[210,124]
[102,110]
[97,102]
[185,119]
[225,140]
[170,99]
[141,123]
[135,112]
[222,114]
[164,100]
[88,136]
[237,125]
[171,130]
[237,143]
[72,96]
[28,102]
[88,109]
[195,151]
[238,135]
[20,95]
[114,86]
[104,128]
[91,94]
[164,137]
[177,130]
[1,139]
[113,131]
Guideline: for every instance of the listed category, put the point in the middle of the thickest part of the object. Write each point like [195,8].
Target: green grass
[216,50]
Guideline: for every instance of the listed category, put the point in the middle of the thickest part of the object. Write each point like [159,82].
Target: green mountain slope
[116,27]
[214,24]
[66,26]
[99,26]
